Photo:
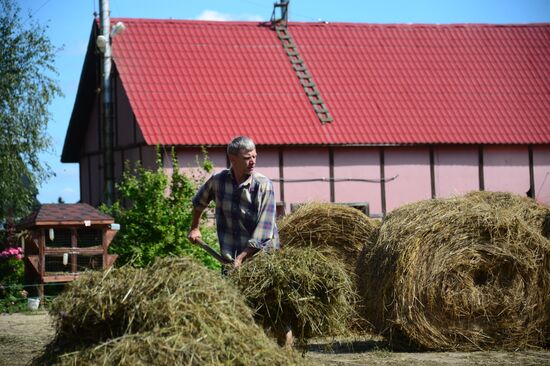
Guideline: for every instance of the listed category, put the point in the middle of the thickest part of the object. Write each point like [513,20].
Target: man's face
[244,162]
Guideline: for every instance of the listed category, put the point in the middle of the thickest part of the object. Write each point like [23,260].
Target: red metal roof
[197,82]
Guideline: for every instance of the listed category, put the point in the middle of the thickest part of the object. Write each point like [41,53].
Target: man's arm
[194,232]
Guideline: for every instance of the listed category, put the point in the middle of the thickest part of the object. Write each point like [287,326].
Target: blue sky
[69,24]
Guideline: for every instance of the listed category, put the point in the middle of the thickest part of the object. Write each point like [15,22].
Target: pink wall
[187,160]
[412,168]
[305,163]
[456,170]
[358,163]
[268,164]
[506,169]
[541,170]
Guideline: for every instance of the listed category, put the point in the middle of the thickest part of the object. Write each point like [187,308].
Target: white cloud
[254,18]
[214,15]
[217,16]
[69,191]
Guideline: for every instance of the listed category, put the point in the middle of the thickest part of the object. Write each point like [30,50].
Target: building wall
[411,169]
[303,164]
[456,170]
[91,164]
[357,176]
[408,171]
[541,173]
[506,169]
[267,163]
[128,145]
[384,177]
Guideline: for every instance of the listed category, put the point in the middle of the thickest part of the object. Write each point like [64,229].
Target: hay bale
[174,312]
[534,213]
[338,231]
[458,274]
[169,346]
[299,287]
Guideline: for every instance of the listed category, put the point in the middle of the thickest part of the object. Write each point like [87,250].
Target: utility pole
[107,103]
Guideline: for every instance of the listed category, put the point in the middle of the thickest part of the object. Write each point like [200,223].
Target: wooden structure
[64,240]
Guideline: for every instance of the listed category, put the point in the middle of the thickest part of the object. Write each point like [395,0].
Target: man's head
[242,155]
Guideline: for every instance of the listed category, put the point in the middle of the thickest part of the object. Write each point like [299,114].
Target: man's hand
[194,234]
[245,254]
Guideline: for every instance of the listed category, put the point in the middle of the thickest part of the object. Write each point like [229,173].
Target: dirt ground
[23,335]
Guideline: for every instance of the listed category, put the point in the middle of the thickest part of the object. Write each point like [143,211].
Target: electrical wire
[40,7]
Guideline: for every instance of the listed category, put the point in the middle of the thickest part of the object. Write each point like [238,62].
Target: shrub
[12,275]
[156,223]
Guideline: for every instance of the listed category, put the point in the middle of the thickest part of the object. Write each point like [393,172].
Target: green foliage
[12,275]
[207,164]
[156,223]
[26,90]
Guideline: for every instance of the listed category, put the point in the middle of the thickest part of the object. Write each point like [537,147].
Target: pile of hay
[175,312]
[338,231]
[299,287]
[534,213]
[458,274]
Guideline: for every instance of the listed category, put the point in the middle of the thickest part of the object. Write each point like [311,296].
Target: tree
[27,87]
[158,214]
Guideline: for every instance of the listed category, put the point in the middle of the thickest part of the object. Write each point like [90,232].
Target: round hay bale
[176,307]
[169,346]
[338,231]
[458,274]
[298,287]
[534,213]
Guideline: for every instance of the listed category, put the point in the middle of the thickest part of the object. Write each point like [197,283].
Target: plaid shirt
[245,213]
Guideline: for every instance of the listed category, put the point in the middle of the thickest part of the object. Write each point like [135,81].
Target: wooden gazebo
[64,240]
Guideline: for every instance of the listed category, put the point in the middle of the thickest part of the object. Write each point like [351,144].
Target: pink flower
[13,252]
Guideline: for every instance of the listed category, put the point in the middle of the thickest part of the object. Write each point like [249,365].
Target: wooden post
[42,262]
[74,244]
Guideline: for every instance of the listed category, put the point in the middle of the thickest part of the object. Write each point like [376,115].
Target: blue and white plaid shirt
[245,213]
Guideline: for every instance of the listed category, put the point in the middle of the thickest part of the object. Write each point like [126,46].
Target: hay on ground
[339,231]
[174,312]
[458,274]
[299,287]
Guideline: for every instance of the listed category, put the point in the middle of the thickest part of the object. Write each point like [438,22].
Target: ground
[23,335]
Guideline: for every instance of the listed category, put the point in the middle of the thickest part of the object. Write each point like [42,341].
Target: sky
[69,24]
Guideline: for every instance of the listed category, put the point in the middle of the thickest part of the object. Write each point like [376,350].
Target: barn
[372,115]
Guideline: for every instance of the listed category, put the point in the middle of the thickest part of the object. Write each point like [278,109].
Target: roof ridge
[335,23]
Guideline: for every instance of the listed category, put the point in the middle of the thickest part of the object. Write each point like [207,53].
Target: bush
[155,224]
[12,275]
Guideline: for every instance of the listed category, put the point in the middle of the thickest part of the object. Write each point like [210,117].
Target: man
[245,208]
[245,205]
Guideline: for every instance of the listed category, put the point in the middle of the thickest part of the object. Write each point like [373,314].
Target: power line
[40,7]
